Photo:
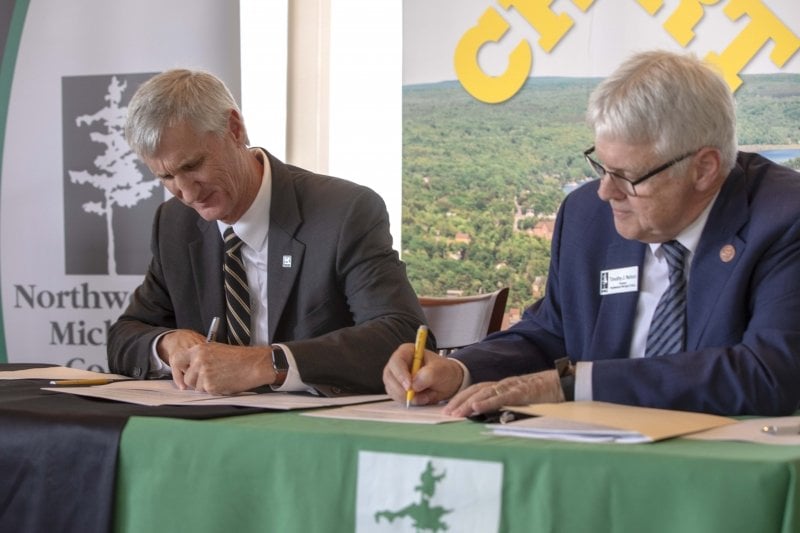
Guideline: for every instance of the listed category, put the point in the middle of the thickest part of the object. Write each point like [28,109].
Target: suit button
[137,372]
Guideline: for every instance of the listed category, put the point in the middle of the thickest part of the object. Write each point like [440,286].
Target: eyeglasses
[628,186]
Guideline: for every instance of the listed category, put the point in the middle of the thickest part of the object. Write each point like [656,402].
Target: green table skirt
[286,472]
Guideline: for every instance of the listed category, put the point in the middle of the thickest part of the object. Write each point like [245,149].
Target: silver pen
[212,330]
[793,429]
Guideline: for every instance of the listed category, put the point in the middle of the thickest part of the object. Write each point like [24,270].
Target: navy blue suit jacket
[743,315]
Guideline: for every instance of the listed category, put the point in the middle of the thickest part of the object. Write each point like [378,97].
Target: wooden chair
[459,321]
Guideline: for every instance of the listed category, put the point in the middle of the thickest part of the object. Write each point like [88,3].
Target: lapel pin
[727,253]
[287,261]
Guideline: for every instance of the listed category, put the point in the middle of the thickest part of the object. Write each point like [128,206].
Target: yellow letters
[551,27]
[651,6]
[763,26]
[490,89]
[682,22]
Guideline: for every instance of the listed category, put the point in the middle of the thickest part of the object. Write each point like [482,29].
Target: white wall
[362,132]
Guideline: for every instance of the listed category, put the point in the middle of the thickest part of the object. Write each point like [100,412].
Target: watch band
[279,365]
[566,372]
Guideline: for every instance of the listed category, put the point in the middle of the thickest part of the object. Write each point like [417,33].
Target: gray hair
[172,97]
[675,102]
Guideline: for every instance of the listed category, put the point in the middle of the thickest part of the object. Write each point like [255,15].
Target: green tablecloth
[286,472]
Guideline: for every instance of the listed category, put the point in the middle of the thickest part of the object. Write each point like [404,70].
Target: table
[288,472]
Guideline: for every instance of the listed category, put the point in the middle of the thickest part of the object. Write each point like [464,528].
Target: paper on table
[57,372]
[164,392]
[751,431]
[390,411]
[548,428]
[620,421]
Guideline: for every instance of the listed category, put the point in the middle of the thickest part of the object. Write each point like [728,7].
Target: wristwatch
[566,372]
[280,365]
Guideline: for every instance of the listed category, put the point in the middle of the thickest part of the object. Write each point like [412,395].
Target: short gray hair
[675,102]
[172,97]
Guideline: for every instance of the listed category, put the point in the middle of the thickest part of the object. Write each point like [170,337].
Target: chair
[458,321]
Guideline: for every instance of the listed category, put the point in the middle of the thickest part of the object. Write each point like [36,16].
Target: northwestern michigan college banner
[76,205]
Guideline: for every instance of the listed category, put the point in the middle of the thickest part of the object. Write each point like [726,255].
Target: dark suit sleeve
[743,335]
[383,310]
[535,342]
[149,314]
[753,373]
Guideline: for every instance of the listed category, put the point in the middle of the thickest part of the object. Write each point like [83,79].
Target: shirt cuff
[466,381]
[158,368]
[293,383]
[583,382]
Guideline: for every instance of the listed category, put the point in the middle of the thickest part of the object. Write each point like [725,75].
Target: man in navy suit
[666,156]
[328,296]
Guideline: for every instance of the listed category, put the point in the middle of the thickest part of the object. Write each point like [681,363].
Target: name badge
[619,280]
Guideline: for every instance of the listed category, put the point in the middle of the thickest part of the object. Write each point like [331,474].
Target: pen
[212,330]
[782,430]
[70,382]
[419,353]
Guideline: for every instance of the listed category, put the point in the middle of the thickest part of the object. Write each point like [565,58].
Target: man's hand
[490,396]
[437,380]
[214,367]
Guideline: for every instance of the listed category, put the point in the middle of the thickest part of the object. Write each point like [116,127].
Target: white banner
[76,206]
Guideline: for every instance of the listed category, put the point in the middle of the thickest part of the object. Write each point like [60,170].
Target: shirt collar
[253,226]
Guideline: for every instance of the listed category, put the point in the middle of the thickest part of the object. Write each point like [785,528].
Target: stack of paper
[605,422]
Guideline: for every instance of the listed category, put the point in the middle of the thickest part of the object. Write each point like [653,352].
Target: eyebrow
[189,162]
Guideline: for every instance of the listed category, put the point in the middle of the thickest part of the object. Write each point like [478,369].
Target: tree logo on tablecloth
[414,493]
[426,517]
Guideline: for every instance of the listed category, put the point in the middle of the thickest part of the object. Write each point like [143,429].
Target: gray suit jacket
[342,307]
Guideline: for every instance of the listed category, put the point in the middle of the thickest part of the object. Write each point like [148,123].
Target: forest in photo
[482,183]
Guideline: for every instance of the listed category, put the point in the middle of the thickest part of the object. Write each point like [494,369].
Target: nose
[608,190]
[184,188]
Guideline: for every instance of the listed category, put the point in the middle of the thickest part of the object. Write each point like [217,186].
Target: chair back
[459,321]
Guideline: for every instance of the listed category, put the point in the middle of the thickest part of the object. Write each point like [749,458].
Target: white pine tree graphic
[118,177]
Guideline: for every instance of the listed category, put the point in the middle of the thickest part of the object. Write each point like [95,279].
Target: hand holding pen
[419,353]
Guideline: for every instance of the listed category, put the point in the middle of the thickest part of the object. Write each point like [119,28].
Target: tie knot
[232,241]
[675,254]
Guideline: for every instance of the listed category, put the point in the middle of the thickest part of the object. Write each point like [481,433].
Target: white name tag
[619,280]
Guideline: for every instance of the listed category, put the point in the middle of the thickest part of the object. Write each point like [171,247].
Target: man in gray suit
[329,299]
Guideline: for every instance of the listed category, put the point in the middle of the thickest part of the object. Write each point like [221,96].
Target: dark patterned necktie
[237,295]
[668,327]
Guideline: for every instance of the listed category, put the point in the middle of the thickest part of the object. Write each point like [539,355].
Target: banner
[494,97]
[76,205]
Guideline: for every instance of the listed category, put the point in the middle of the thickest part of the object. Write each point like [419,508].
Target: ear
[236,127]
[707,169]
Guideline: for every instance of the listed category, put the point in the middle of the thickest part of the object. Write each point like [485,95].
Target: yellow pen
[419,353]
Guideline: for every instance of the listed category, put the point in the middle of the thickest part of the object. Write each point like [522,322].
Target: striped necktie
[668,327]
[237,296]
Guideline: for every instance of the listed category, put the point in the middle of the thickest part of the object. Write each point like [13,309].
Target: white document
[57,373]
[549,428]
[164,392]
[606,422]
[390,411]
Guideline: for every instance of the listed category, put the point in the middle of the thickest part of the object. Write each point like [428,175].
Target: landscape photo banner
[494,100]
[76,205]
